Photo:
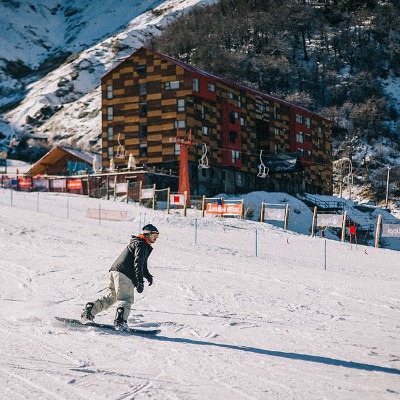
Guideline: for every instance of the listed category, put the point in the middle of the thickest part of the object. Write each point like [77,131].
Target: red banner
[224,209]
[74,184]
[24,183]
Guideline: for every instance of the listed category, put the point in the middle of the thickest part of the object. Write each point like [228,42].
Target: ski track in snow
[276,326]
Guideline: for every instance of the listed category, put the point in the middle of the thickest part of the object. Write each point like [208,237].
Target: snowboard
[132,330]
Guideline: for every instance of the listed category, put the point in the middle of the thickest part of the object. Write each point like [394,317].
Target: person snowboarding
[125,274]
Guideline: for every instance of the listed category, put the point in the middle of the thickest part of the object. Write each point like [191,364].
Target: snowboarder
[126,274]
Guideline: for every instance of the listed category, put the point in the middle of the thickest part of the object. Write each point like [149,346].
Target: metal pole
[256,243]
[387,187]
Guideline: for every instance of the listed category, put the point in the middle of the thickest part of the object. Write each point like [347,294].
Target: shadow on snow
[282,354]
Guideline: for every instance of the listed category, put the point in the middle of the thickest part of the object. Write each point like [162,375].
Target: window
[180,124]
[110,93]
[242,121]
[276,131]
[110,152]
[177,149]
[233,135]
[211,87]
[110,113]
[239,101]
[299,118]
[204,130]
[142,109]
[260,107]
[235,156]
[300,152]
[239,179]
[196,85]
[181,105]
[230,96]
[141,69]
[308,122]
[142,89]
[308,138]
[276,148]
[110,133]
[308,155]
[143,150]
[299,137]
[233,115]
[171,85]
[204,112]
[142,130]
[319,144]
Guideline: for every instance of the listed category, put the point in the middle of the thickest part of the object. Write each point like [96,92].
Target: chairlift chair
[120,149]
[262,169]
[203,162]
[15,139]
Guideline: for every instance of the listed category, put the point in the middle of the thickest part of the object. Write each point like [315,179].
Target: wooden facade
[149,99]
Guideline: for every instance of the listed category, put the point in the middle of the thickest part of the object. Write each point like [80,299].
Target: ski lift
[203,162]
[262,169]
[120,149]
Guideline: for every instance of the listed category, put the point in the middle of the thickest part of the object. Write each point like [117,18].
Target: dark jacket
[132,262]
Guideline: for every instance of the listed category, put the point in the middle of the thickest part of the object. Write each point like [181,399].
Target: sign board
[24,183]
[74,184]
[335,220]
[177,199]
[111,215]
[148,193]
[120,188]
[3,155]
[224,209]
[274,214]
[390,230]
[58,183]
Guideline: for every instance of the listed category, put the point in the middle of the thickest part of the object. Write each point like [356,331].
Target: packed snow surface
[246,310]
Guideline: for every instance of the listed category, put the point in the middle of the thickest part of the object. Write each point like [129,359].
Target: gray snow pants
[120,290]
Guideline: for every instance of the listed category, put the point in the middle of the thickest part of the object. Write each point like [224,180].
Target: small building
[65,161]
[151,102]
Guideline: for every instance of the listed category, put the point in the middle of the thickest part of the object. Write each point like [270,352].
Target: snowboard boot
[86,315]
[119,322]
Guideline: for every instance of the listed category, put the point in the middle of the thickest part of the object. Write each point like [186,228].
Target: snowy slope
[233,325]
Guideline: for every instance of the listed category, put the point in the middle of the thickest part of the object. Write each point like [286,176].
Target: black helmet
[149,229]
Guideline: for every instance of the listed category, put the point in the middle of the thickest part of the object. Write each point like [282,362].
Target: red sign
[25,183]
[353,230]
[74,184]
[177,199]
[224,209]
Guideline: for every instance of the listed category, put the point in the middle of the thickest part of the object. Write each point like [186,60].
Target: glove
[139,287]
[150,279]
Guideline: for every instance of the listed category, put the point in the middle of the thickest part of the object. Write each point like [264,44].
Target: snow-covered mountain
[54,52]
